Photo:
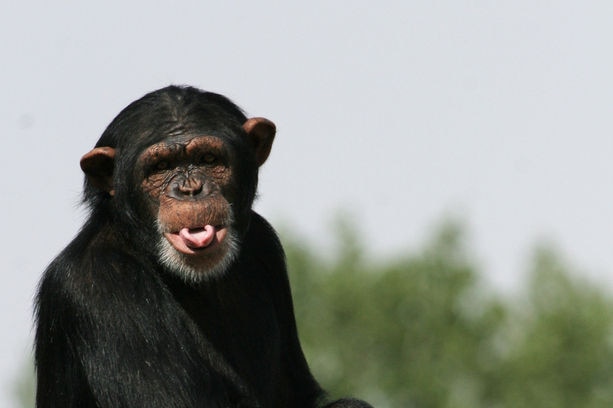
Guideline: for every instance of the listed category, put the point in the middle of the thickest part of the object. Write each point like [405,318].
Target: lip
[189,241]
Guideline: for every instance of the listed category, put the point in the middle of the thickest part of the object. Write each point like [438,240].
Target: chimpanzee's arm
[304,389]
[110,335]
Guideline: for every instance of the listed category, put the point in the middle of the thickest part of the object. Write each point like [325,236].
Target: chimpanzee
[175,292]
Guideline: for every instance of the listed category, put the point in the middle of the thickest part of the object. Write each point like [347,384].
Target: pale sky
[399,113]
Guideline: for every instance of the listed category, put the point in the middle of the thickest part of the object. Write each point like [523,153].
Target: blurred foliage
[422,329]
[24,388]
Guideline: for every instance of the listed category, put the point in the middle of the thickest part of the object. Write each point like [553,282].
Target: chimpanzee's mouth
[194,240]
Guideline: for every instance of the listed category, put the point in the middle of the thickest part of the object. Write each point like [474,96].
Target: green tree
[405,332]
[559,352]
[25,385]
[421,330]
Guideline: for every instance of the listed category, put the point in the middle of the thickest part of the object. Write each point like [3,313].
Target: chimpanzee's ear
[98,166]
[261,133]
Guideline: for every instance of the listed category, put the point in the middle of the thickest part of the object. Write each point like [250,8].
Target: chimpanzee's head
[176,172]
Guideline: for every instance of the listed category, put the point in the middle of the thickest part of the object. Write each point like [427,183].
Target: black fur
[115,329]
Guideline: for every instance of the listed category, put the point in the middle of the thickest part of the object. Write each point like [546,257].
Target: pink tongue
[198,237]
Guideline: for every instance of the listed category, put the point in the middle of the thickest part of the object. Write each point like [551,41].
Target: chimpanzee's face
[195,188]
[189,183]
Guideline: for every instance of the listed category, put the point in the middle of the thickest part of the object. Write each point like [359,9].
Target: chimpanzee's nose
[188,188]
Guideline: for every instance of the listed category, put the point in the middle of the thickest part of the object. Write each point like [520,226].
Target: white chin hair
[177,263]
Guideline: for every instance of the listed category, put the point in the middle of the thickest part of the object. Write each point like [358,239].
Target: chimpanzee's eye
[161,165]
[208,159]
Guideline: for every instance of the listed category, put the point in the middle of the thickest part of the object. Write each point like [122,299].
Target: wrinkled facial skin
[188,185]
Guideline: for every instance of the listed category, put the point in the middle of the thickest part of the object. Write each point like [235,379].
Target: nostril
[197,189]
[189,188]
